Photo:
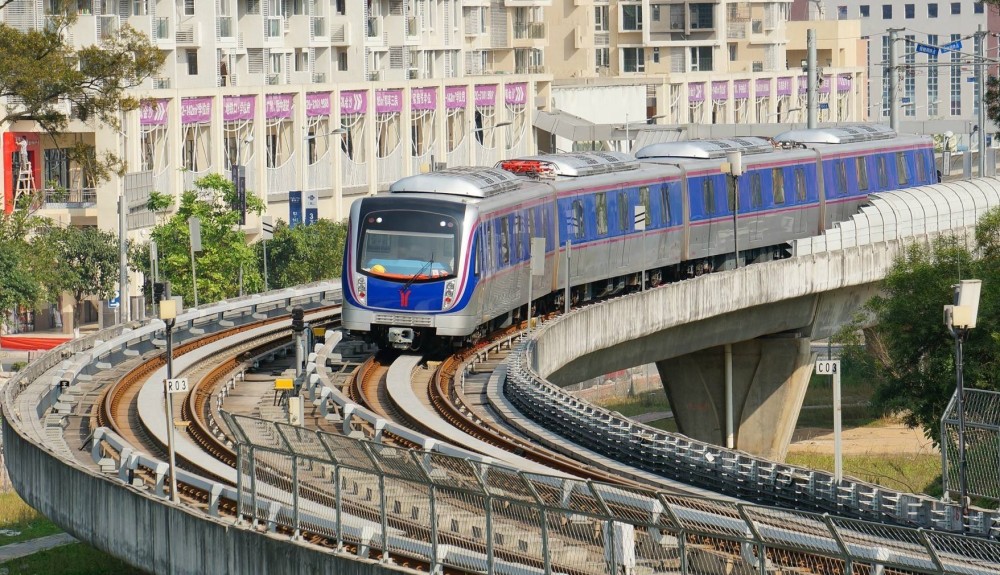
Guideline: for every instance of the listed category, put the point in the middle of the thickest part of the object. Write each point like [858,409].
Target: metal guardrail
[982,443]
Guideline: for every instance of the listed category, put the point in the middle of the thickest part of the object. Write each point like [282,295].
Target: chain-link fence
[982,445]
[384,502]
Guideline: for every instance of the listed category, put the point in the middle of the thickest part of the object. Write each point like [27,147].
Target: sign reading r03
[177,385]
[827,366]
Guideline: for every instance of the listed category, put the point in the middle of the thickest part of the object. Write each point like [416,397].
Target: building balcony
[340,34]
[189,35]
[530,31]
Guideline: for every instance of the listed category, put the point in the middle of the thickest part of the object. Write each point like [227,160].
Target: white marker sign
[177,385]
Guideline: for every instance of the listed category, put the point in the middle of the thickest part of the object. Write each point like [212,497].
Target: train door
[754,198]
[623,220]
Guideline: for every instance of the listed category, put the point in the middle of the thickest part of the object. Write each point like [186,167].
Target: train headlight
[361,289]
[449,294]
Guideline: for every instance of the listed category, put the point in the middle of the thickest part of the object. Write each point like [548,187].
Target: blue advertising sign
[294,208]
[925,49]
[950,46]
[312,208]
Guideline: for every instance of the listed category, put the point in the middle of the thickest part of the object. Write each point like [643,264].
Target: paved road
[25,548]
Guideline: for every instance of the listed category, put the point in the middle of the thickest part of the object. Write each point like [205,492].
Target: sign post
[537,269]
[832,367]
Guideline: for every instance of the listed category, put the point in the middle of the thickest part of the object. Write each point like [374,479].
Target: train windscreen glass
[408,245]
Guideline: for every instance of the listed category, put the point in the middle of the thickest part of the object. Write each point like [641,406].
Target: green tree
[224,247]
[23,265]
[303,254]
[908,353]
[84,262]
[43,72]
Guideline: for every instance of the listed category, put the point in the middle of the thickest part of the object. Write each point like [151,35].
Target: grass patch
[72,559]
[909,473]
[17,516]
[639,404]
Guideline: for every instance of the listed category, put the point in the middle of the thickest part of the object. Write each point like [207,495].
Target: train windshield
[408,245]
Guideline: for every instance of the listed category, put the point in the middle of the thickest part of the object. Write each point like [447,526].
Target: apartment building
[935,52]
[315,102]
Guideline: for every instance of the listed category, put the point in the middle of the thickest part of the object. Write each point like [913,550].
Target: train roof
[469,182]
[570,164]
[705,149]
[837,135]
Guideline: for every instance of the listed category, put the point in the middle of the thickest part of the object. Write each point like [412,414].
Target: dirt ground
[892,438]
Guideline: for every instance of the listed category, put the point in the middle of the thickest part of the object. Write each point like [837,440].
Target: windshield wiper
[413,278]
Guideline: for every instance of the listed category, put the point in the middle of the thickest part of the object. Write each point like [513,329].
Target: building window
[932,11]
[634,60]
[341,7]
[732,51]
[655,12]
[656,55]
[701,16]
[910,10]
[956,7]
[253,6]
[189,7]
[865,11]
[601,19]
[631,17]
[55,170]
[887,11]
[977,7]
[192,62]
[841,12]
[701,58]
[602,58]
[342,61]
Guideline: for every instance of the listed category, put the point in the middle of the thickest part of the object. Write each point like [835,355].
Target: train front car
[408,276]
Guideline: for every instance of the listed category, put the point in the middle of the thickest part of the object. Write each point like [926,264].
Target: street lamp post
[239,181]
[734,167]
[961,319]
[168,313]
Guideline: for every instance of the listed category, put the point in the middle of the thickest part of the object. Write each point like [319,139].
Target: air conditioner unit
[413,73]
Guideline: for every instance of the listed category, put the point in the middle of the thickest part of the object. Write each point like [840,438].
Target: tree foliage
[908,354]
[83,261]
[224,246]
[18,286]
[42,73]
[304,254]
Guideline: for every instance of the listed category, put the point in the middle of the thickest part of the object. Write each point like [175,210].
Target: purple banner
[237,108]
[455,97]
[784,86]
[516,94]
[153,112]
[696,92]
[388,101]
[423,98]
[762,89]
[486,95]
[196,110]
[720,90]
[318,104]
[843,83]
[278,106]
[824,87]
[741,89]
[355,102]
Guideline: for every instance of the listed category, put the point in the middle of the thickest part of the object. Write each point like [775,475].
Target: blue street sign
[906,100]
[294,208]
[970,79]
[824,105]
[956,45]
[925,49]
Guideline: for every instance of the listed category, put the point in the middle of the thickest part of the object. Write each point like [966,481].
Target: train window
[756,195]
[479,257]
[800,184]
[708,195]
[901,169]
[602,214]
[778,186]
[840,171]
[862,164]
[731,194]
[623,215]
[488,248]
[883,174]
[644,200]
[504,241]
[577,223]
[531,222]
[921,167]
[665,204]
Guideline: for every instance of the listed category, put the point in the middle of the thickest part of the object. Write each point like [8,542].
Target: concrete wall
[153,535]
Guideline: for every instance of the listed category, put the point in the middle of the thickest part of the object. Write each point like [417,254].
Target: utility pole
[893,80]
[981,106]
[812,105]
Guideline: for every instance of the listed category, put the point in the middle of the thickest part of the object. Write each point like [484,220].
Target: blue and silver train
[445,255]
